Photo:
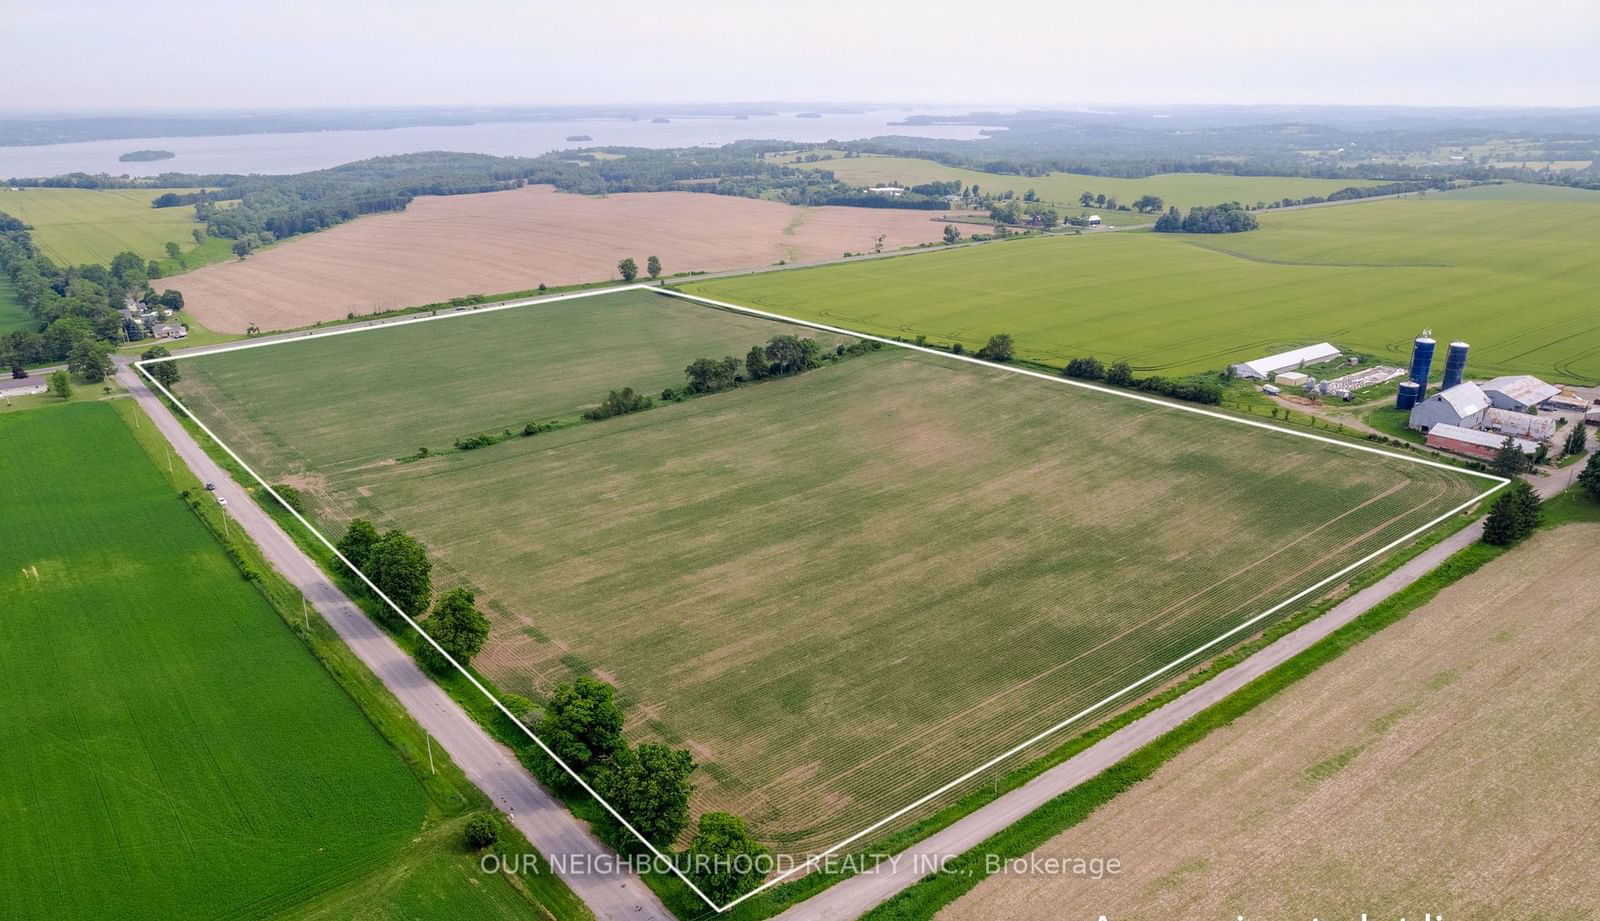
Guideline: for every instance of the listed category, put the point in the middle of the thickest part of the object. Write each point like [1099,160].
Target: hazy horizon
[86,55]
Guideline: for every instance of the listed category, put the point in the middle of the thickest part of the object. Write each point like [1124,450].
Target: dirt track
[443,247]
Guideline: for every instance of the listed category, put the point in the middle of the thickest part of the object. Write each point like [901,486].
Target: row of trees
[1196,389]
[1514,516]
[629,270]
[1224,218]
[648,784]
[398,566]
[782,355]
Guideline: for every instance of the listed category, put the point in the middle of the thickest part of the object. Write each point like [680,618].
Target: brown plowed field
[449,246]
[1446,766]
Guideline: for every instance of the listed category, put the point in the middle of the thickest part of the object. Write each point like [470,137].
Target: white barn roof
[1262,367]
[1475,437]
[1522,388]
[1466,399]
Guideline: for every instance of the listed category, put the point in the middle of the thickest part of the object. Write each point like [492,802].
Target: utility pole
[429,737]
[305,617]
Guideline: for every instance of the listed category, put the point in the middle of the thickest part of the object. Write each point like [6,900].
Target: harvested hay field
[450,246]
[839,589]
[1446,765]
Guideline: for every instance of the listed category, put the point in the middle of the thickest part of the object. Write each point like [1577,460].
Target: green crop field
[1514,278]
[170,749]
[841,589]
[1181,189]
[426,384]
[74,226]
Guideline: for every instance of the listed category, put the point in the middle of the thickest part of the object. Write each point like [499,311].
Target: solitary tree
[165,372]
[92,359]
[650,786]
[1514,515]
[174,253]
[457,626]
[998,348]
[952,234]
[725,860]
[1589,479]
[582,723]
[1577,439]
[628,269]
[653,266]
[399,566]
[1146,203]
[1509,459]
[1086,199]
[482,831]
[59,385]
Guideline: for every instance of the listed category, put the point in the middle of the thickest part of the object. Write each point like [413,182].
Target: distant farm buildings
[1473,443]
[1261,369]
[892,191]
[1092,220]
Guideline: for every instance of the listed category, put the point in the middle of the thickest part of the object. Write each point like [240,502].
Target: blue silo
[1455,364]
[1410,394]
[1422,359]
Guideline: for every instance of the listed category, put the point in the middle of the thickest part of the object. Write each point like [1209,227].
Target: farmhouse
[1519,392]
[1463,406]
[1262,368]
[1522,425]
[1473,443]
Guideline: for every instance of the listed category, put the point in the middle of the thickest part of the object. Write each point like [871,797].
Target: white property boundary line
[1498,482]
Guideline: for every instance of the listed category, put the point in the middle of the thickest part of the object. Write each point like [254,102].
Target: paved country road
[860,894]
[547,824]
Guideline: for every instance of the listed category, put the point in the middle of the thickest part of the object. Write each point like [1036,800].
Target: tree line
[75,309]
[781,356]
[1230,217]
[648,784]
[1196,389]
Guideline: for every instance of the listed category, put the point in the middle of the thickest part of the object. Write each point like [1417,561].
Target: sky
[100,55]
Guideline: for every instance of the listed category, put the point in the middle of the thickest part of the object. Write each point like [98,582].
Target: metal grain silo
[1410,394]
[1455,364]
[1422,359]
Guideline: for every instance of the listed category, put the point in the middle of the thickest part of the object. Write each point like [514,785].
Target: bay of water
[298,153]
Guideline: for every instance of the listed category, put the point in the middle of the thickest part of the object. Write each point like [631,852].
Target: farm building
[1292,379]
[1262,368]
[1522,425]
[1092,220]
[1565,401]
[1473,443]
[1463,405]
[893,191]
[1520,392]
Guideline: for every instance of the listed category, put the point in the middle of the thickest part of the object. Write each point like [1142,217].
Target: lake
[298,153]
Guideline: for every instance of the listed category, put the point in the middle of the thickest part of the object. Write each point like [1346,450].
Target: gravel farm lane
[546,823]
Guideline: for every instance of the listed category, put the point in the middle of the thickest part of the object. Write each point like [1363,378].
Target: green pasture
[839,589]
[1181,189]
[1516,279]
[77,226]
[368,397]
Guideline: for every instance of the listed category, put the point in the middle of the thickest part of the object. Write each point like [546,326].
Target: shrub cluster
[1196,389]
